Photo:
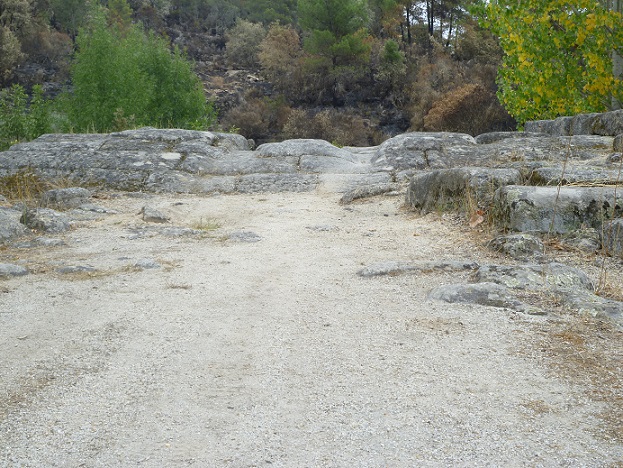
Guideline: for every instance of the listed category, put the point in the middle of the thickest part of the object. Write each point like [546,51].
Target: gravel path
[273,353]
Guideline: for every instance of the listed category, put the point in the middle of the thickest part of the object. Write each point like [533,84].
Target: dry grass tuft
[25,186]
[208,224]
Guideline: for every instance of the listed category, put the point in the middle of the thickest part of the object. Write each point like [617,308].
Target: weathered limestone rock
[487,294]
[561,126]
[66,198]
[518,246]
[46,220]
[613,237]
[366,191]
[394,268]
[548,277]
[10,227]
[303,147]
[595,306]
[419,150]
[440,188]
[538,126]
[8,270]
[609,123]
[583,124]
[494,137]
[73,269]
[244,236]
[146,264]
[574,175]
[586,239]
[556,210]
[152,215]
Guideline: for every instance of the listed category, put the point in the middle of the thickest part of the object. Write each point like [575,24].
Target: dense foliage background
[352,72]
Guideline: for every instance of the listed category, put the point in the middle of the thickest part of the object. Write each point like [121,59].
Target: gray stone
[390,268]
[39,242]
[617,144]
[274,183]
[440,188]
[596,306]
[366,191]
[574,175]
[518,246]
[147,264]
[494,137]
[585,239]
[548,277]
[561,126]
[10,227]
[583,124]
[420,150]
[90,207]
[7,270]
[324,164]
[65,198]
[487,294]
[342,183]
[555,210]
[538,126]
[609,123]
[73,269]
[613,237]
[152,215]
[394,268]
[46,220]
[244,236]
[304,147]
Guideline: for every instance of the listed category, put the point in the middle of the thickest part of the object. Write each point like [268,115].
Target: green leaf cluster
[558,56]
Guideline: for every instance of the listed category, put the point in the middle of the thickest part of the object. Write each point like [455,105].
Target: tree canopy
[558,56]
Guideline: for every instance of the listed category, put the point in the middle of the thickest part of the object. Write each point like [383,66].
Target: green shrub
[21,120]
[123,76]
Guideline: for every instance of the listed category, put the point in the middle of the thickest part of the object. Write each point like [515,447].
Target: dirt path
[273,353]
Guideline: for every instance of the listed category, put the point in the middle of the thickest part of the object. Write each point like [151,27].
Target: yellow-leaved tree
[558,55]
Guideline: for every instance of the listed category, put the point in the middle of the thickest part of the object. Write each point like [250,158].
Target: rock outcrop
[558,177]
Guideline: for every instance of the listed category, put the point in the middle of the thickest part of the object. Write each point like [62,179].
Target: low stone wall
[606,124]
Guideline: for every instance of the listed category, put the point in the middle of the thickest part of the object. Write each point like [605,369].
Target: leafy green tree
[280,58]
[120,79]
[15,19]
[69,15]
[336,28]
[119,14]
[558,56]
[243,43]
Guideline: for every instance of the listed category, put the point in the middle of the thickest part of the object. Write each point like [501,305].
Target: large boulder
[10,227]
[555,209]
[125,160]
[46,220]
[440,188]
[420,150]
[65,198]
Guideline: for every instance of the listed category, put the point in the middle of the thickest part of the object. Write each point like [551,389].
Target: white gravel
[273,353]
